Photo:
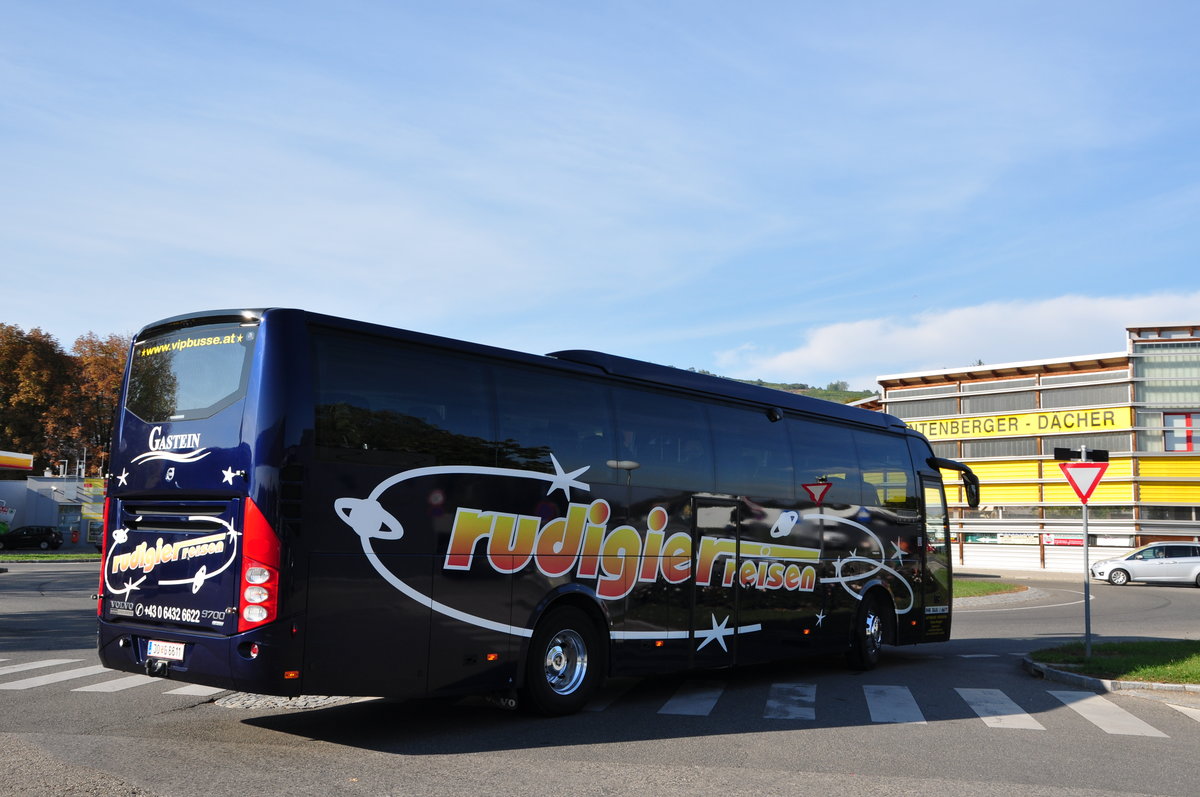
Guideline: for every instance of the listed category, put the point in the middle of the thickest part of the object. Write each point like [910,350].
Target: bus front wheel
[866,641]
[564,665]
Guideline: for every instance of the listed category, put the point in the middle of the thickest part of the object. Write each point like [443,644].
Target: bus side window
[824,454]
[888,477]
[542,413]
[753,456]
[668,439]
[424,407]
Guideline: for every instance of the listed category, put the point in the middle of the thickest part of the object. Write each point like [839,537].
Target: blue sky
[794,191]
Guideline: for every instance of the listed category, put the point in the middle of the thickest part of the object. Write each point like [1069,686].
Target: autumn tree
[100,364]
[56,405]
[37,389]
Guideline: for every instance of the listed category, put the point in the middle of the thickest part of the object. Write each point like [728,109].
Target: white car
[1176,562]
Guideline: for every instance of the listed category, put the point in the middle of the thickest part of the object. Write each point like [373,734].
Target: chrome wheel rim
[566,662]
[874,629]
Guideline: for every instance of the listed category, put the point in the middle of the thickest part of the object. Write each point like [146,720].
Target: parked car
[1177,562]
[44,537]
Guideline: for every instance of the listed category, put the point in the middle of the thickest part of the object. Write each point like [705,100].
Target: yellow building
[1141,405]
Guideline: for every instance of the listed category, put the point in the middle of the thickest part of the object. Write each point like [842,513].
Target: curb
[1039,670]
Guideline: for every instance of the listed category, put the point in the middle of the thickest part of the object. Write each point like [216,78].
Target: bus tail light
[258,599]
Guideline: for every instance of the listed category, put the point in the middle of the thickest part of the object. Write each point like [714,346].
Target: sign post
[1084,476]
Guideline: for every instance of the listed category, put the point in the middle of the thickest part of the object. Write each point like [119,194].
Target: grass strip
[971,588]
[1172,662]
[49,557]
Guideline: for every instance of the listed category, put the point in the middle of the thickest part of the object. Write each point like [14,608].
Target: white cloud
[995,332]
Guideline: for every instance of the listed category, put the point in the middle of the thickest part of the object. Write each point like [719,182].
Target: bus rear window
[189,373]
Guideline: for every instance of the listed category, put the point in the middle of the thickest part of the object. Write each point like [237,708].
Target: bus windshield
[189,373]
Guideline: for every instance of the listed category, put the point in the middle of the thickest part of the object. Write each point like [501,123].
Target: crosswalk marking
[612,691]
[694,699]
[893,704]
[792,702]
[195,690]
[52,678]
[997,710]
[1105,715]
[1187,711]
[785,700]
[34,665]
[118,684]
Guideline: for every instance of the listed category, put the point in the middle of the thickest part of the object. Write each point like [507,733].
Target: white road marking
[893,704]
[997,710]
[118,684]
[1187,711]
[1106,715]
[792,702]
[694,699]
[52,678]
[195,690]
[33,665]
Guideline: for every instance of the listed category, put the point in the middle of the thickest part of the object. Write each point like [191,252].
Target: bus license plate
[157,649]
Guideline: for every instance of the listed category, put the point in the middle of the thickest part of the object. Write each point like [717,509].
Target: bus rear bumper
[249,662]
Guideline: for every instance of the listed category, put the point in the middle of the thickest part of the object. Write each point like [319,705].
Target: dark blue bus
[303,504]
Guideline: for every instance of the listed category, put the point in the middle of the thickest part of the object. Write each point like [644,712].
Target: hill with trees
[839,391]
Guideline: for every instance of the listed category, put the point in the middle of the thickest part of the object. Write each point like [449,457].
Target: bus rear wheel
[866,639]
[565,663]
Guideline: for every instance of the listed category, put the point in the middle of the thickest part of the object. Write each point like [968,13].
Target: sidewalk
[987,574]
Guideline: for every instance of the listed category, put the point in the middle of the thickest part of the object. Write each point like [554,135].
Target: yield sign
[1083,476]
[817,491]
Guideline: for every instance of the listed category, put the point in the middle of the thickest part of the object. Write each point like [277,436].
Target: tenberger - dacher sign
[1027,424]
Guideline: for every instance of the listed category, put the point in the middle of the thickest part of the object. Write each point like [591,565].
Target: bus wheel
[866,641]
[564,665]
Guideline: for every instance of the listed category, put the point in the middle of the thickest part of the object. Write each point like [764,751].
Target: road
[958,718]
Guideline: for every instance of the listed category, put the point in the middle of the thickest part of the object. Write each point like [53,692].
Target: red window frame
[1172,435]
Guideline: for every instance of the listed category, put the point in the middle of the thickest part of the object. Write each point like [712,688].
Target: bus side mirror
[970,480]
[972,487]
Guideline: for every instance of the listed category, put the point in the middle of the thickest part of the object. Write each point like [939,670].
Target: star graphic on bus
[718,632]
[563,480]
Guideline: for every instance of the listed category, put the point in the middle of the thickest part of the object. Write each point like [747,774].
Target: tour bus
[303,504]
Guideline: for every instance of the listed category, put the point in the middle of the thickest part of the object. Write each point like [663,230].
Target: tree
[840,385]
[37,386]
[57,406]
[101,364]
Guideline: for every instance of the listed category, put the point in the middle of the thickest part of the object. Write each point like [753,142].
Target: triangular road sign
[1083,476]
[817,491]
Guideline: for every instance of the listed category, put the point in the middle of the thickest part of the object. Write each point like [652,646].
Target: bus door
[936,571]
[714,601]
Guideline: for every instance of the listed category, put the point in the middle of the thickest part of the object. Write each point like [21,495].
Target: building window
[1085,396]
[1004,447]
[1116,441]
[999,402]
[924,408]
[1186,513]
[1181,431]
[944,449]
